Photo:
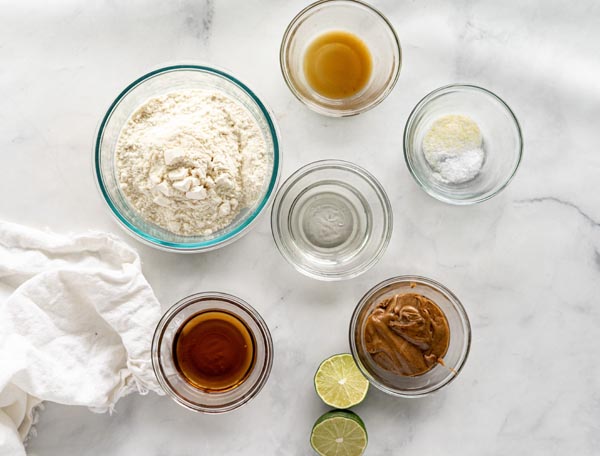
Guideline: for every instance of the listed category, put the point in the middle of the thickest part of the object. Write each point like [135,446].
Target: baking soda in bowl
[453,148]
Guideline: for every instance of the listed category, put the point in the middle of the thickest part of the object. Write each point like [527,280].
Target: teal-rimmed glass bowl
[156,83]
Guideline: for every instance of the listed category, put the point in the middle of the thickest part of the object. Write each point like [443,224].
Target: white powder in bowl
[190,160]
[453,147]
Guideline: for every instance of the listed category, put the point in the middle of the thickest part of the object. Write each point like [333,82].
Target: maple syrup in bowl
[212,352]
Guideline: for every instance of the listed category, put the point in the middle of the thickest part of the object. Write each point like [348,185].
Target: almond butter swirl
[407,334]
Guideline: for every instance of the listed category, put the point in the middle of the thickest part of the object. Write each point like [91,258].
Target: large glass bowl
[156,83]
[502,142]
[438,376]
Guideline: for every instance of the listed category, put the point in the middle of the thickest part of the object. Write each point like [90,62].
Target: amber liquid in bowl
[337,65]
[214,351]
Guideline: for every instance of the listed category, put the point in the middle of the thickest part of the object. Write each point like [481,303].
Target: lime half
[339,383]
[339,433]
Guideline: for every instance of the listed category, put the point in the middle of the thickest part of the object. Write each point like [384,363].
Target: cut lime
[339,433]
[339,383]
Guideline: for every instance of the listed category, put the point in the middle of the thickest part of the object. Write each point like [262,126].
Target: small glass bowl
[438,376]
[156,83]
[331,220]
[354,17]
[172,381]
[502,142]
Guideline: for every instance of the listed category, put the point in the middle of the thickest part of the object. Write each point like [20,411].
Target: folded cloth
[76,324]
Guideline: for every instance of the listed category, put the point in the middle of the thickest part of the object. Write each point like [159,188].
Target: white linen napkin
[76,322]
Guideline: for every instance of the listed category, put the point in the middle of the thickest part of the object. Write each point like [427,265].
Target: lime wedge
[338,433]
[339,383]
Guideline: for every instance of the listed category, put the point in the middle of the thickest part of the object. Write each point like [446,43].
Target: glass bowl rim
[187,301]
[191,247]
[421,182]
[456,304]
[318,165]
[314,106]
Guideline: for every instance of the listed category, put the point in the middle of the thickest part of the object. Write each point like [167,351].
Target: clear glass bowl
[155,83]
[502,142]
[173,383]
[438,376]
[351,16]
[331,220]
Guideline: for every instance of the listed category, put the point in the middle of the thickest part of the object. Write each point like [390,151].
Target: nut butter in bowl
[410,336]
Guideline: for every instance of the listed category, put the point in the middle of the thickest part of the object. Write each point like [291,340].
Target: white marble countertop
[526,264]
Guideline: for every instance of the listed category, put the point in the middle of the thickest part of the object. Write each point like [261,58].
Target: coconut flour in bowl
[190,161]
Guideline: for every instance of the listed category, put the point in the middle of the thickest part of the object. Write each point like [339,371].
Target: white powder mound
[460,167]
[453,147]
[189,161]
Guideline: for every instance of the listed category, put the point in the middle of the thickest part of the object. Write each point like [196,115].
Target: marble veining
[556,200]
[526,264]
[199,18]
